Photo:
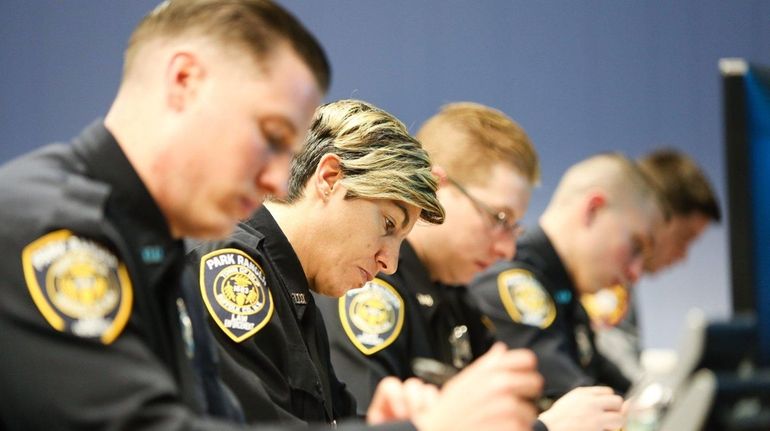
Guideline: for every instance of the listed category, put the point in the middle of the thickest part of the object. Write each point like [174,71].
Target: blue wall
[581,77]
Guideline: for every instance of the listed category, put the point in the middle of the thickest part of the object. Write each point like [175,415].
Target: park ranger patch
[525,299]
[608,306]
[79,286]
[372,315]
[235,292]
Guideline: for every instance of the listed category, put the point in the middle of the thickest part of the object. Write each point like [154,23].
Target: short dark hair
[259,26]
[681,183]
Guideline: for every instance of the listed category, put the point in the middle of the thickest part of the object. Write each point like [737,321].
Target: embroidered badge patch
[79,286]
[525,299]
[372,316]
[608,306]
[235,292]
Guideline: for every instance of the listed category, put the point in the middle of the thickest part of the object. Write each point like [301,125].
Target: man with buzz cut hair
[692,203]
[594,233]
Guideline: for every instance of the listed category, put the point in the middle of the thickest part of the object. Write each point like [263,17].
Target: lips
[366,275]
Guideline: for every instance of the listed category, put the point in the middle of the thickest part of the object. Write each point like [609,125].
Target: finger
[526,385]
[612,421]
[599,390]
[610,402]
[387,402]
[414,396]
[519,359]
[430,395]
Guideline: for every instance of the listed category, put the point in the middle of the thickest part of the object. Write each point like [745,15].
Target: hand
[494,393]
[394,400]
[594,408]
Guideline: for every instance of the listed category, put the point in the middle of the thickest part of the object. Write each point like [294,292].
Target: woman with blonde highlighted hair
[355,190]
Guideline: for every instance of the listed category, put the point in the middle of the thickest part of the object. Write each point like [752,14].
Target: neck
[295,226]
[422,242]
[560,233]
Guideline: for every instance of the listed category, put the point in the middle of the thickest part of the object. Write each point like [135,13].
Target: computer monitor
[746,95]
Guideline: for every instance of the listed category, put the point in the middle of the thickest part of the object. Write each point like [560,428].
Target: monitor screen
[747,150]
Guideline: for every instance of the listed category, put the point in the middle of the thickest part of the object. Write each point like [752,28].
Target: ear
[184,75]
[440,174]
[327,174]
[594,203]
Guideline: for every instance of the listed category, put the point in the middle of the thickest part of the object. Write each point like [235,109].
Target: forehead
[505,188]
[280,85]
[643,218]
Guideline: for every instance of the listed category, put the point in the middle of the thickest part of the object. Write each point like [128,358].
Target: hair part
[681,183]
[257,27]
[467,139]
[379,158]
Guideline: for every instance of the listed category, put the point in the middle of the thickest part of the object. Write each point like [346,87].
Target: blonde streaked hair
[466,139]
[255,27]
[380,159]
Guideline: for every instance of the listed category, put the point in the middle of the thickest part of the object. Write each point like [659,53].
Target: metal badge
[187,330]
[459,339]
[585,349]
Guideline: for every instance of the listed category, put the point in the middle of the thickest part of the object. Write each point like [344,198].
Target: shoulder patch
[79,286]
[525,299]
[372,316]
[234,289]
[608,306]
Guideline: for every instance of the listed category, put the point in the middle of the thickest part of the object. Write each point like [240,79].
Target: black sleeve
[551,345]
[56,380]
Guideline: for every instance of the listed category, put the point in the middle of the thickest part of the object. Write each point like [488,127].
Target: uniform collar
[278,249]
[417,279]
[537,249]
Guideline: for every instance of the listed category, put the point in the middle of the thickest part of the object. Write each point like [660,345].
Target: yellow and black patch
[235,292]
[608,306]
[525,299]
[79,286]
[372,316]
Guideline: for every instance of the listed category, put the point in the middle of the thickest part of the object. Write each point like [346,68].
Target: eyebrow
[402,207]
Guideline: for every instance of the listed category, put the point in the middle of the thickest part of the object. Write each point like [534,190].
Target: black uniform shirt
[532,303]
[405,316]
[274,347]
[89,289]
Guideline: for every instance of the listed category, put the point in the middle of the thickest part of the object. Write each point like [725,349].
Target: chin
[212,232]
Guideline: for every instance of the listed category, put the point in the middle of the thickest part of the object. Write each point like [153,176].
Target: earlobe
[183,76]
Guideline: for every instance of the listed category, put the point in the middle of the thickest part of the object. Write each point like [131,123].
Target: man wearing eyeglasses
[596,232]
[487,167]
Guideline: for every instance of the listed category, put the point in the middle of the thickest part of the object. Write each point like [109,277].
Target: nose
[681,253]
[273,179]
[635,269]
[387,256]
[504,247]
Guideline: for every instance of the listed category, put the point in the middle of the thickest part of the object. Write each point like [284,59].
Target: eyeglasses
[499,220]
